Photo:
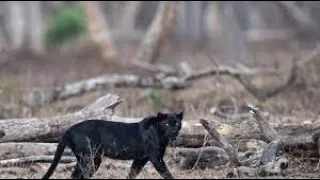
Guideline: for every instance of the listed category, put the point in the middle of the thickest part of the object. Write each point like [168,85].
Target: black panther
[141,142]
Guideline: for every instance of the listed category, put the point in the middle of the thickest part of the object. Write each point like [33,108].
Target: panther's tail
[60,149]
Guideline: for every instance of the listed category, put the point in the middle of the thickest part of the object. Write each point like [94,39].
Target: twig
[198,159]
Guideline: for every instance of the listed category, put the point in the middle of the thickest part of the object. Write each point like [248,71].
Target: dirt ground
[22,71]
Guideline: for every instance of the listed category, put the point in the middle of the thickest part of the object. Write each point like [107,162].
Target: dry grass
[25,72]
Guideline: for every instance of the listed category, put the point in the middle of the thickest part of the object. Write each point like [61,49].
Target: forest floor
[22,71]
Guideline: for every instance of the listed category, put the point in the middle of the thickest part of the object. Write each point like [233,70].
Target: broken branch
[269,133]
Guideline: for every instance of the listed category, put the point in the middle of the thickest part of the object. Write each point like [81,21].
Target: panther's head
[170,124]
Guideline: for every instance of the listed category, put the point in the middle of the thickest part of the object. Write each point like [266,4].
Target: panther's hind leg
[84,169]
[87,163]
[97,161]
[77,174]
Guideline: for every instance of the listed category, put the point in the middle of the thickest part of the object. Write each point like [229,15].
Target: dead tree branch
[269,133]
[264,94]
[221,140]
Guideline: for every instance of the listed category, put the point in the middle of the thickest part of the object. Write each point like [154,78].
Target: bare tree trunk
[233,39]
[300,17]
[195,20]
[182,20]
[213,25]
[161,27]
[130,13]
[36,26]
[99,30]
[113,14]
[3,42]
[17,23]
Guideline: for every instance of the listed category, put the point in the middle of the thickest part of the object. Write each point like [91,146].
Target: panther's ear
[180,115]
[161,116]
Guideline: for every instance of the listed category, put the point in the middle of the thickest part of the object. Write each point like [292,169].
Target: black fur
[141,142]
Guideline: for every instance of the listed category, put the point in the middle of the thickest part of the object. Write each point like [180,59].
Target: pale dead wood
[161,27]
[99,30]
[267,163]
[35,129]
[225,70]
[38,98]
[278,167]
[269,133]
[221,140]
[17,150]
[209,156]
[185,68]
[34,159]
[271,35]
[295,144]
[191,134]
[233,157]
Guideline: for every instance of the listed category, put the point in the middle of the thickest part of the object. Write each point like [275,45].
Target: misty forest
[246,75]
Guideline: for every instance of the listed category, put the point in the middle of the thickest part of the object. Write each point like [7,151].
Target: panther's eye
[167,124]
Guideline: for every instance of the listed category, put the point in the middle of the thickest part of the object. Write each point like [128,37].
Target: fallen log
[18,150]
[34,159]
[49,129]
[37,129]
[210,156]
[191,135]
[302,146]
[38,98]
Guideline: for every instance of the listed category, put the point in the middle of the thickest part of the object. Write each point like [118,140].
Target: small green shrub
[155,96]
[66,23]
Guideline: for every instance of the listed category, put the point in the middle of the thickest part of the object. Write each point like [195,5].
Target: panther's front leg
[136,168]
[161,167]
